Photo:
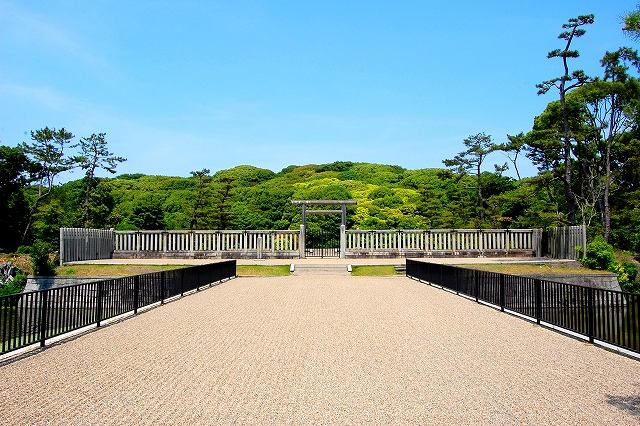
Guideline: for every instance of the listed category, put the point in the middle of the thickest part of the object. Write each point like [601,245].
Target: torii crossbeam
[305,203]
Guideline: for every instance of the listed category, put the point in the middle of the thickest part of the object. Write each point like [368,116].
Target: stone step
[319,269]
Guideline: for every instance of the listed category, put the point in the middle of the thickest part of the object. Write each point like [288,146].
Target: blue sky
[182,85]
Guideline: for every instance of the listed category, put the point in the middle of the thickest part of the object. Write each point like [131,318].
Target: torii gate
[342,211]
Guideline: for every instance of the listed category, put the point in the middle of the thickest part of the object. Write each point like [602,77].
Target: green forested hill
[247,197]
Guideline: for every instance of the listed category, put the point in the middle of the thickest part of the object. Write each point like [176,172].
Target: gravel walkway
[322,350]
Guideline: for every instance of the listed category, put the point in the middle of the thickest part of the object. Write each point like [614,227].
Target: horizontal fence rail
[34,317]
[85,244]
[207,241]
[608,316]
[445,240]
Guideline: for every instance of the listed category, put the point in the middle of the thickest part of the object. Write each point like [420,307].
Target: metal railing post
[162,286]
[537,284]
[590,313]
[502,293]
[136,289]
[476,283]
[43,317]
[99,302]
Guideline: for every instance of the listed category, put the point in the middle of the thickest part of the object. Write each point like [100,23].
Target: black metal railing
[608,316]
[33,317]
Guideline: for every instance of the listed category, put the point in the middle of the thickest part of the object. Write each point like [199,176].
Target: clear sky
[182,85]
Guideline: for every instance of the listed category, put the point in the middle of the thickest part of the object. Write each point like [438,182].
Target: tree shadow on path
[628,403]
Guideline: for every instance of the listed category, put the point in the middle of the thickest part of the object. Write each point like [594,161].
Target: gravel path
[322,350]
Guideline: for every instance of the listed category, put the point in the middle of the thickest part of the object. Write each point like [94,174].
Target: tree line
[28,176]
[584,143]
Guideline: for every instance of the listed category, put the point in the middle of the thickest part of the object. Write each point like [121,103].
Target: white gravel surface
[322,350]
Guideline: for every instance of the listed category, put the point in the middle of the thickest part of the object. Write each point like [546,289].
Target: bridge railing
[33,317]
[608,316]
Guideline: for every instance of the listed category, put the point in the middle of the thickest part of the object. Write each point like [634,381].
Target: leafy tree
[201,198]
[47,148]
[513,149]
[565,83]
[94,155]
[625,202]
[522,205]
[222,210]
[101,204]
[148,214]
[47,221]
[479,146]
[609,105]
[15,172]
[632,23]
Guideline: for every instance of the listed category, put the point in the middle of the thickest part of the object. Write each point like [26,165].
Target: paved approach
[322,350]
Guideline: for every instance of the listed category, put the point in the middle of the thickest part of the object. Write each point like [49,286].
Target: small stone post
[343,241]
[302,248]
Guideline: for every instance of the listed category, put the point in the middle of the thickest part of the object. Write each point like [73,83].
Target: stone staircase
[335,270]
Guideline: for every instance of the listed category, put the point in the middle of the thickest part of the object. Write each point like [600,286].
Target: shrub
[631,269]
[633,283]
[599,255]
[41,259]
[14,286]
[632,287]
[623,277]
[24,250]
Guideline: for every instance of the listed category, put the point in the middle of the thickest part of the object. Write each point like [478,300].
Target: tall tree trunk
[606,208]
[32,212]
[480,199]
[87,194]
[515,166]
[566,155]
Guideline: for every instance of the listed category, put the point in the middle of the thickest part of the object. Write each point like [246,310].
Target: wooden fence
[562,242]
[85,244]
[444,241]
[88,244]
[206,243]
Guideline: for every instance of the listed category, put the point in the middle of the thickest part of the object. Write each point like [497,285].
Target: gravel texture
[344,350]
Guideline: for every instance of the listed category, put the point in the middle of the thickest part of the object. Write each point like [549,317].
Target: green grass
[262,270]
[111,270]
[373,270]
[127,270]
[534,268]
